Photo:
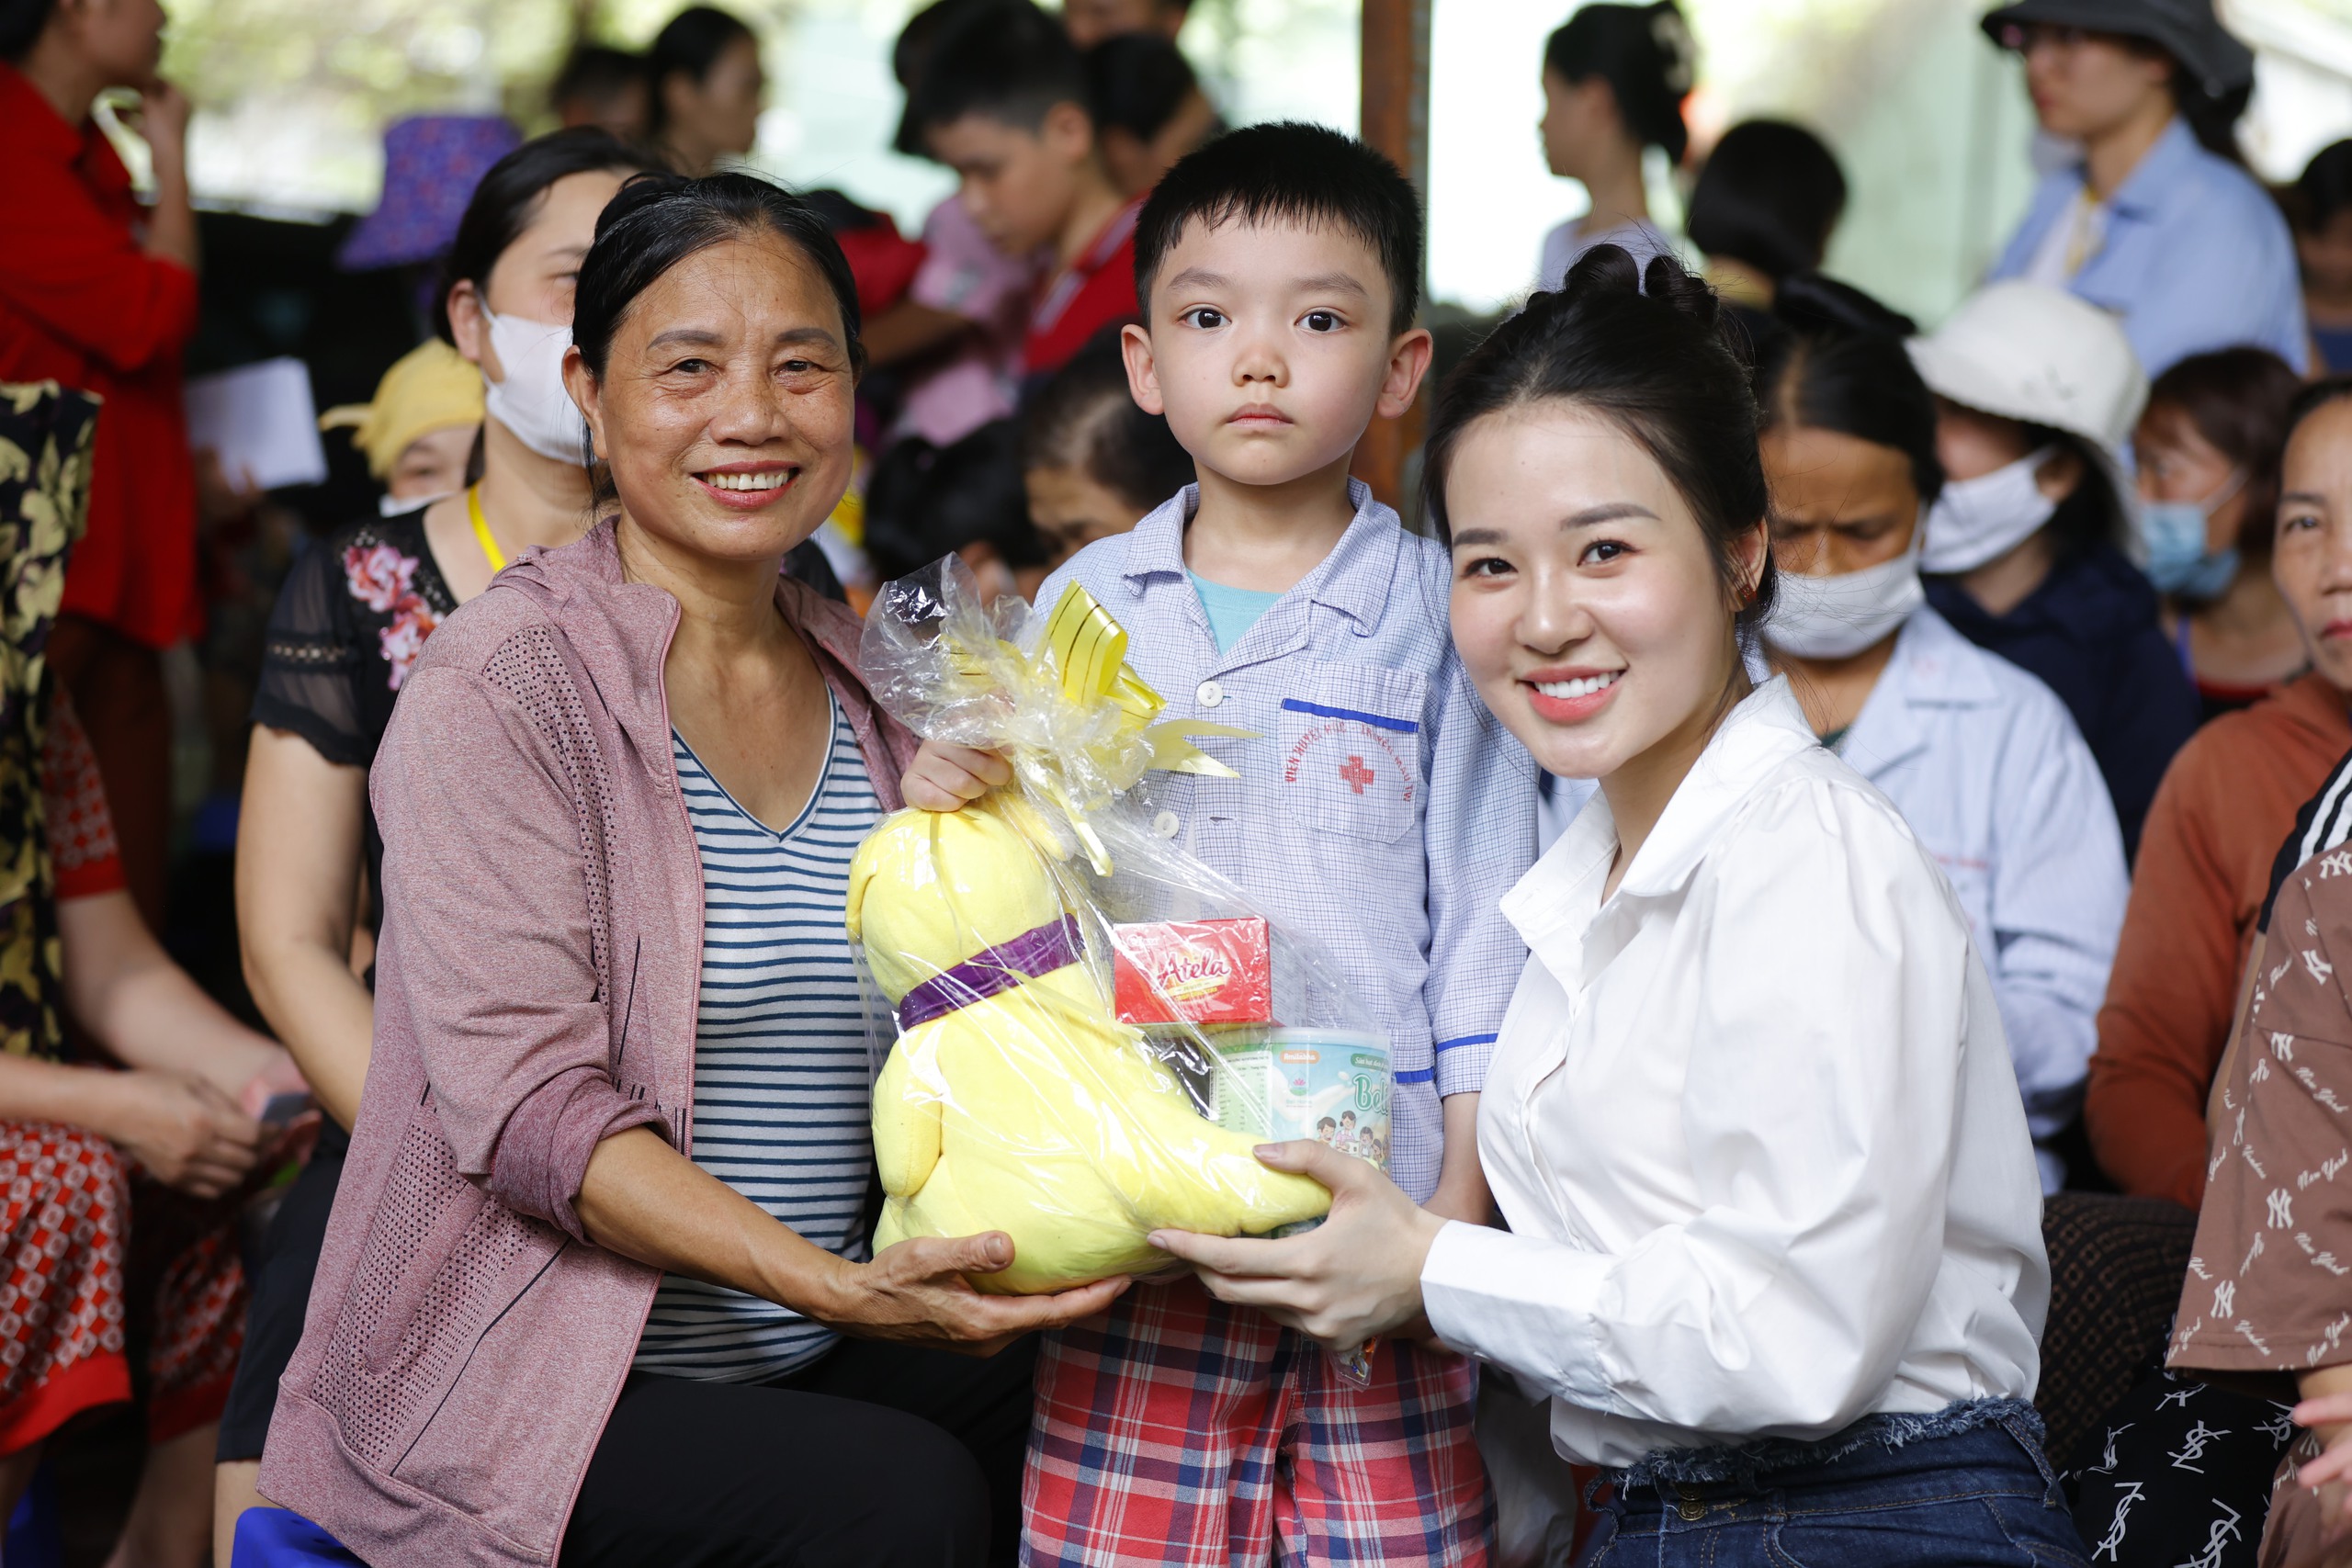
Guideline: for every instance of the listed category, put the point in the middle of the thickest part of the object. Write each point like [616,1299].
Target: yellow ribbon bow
[1082,659]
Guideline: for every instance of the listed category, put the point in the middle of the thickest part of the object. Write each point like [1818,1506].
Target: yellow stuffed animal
[1015,1100]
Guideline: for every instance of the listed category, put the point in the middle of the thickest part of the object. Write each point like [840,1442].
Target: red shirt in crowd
[1095,291]
[83,305]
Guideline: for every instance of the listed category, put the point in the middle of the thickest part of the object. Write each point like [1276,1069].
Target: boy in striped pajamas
[1380,809]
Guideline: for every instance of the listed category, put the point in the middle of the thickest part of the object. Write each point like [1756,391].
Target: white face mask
[396,506]
[1837,618]
[1975,520]
[532,401]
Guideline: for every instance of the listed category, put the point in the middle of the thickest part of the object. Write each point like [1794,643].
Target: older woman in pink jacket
[602,1231]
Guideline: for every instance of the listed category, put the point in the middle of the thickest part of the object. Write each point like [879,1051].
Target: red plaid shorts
[1178,1430]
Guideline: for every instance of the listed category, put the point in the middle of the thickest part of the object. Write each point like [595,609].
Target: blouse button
[1210,693]
[1165,824]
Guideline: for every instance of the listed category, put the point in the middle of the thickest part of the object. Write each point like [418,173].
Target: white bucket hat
[2029,352]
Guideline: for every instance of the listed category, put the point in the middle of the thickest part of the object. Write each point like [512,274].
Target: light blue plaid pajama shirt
[1383,811]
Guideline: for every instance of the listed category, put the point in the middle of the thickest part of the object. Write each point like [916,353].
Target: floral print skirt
[95,1264]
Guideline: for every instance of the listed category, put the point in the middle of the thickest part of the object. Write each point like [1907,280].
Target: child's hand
[945,777]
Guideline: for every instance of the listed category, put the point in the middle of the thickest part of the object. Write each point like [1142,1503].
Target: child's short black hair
[1084,418]
[1009,62]
[1289,170]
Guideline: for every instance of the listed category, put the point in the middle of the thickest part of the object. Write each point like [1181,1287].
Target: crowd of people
[1853,917]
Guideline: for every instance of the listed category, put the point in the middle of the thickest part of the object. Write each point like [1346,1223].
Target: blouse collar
[1560,898]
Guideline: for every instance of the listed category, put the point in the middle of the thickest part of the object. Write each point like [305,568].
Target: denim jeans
[1983,1496]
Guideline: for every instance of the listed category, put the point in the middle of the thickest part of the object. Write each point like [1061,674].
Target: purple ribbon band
[992,970]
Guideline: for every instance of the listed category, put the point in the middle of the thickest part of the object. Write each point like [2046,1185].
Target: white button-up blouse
[1753,1124]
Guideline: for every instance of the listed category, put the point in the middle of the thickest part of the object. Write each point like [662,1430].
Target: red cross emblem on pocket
[1356,774]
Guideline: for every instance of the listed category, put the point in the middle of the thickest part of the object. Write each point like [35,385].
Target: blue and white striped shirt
[1382,810]
[783,1092]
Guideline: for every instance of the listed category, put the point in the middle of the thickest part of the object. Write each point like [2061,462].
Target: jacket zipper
[681,1116]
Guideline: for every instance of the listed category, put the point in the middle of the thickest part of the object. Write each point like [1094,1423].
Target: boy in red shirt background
[1003,103]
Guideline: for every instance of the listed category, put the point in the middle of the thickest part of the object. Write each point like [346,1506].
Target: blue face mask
[2179,562]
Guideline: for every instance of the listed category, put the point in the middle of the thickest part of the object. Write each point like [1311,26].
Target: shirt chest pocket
[1351,751]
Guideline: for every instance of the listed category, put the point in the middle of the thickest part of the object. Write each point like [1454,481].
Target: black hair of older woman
[509,197]
[659,220]
[2310,401]
[1646,351]
[1644,52]
[1769,196]
[689,44]
[1840,364]
[2239,400]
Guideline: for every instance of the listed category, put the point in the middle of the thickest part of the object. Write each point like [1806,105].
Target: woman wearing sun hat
[2036,392]
[2159,221]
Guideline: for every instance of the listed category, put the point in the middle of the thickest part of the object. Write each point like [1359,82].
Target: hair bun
[1811,304]
[1611,269]
[1603,269]
[1666,279]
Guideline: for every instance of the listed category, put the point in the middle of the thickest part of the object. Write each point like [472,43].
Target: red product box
[1205,971]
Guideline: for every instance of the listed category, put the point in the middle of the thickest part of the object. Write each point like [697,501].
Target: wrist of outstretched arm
[815,1283]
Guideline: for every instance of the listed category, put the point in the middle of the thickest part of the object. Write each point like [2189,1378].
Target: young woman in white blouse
[1775,1244]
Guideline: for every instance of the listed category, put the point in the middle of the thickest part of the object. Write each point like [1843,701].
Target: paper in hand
[261,422]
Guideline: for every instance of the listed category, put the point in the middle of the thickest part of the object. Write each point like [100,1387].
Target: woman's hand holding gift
[1355,1277]
[947,778]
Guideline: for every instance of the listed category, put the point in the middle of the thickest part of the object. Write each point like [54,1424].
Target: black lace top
[349,623]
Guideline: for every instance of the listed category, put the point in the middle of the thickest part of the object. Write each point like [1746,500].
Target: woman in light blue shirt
[1981,758]
[2159,221]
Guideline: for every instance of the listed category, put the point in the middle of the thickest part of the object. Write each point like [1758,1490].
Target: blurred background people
[1763,207]
[2322,209]
[418,431]
[963,500]
[431,165]
[131,1147]
[1091,21]
[1094,464]
[708,87]
[604,87]
[1981,758]
[1614,77]
[955,337]
[1148,107]
[1001,99]
[2228,803]
[2158,222]
[2207,455]
[99,291]
[2035,392]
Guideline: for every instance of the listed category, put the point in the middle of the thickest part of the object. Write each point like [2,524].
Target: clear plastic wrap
[1092,1028]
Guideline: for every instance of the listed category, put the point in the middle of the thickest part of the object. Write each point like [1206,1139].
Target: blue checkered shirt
[1383,811]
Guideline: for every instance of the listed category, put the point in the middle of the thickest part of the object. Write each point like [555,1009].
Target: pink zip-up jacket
[535,992]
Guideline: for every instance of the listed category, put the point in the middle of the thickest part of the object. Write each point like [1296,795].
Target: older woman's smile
[747,485]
